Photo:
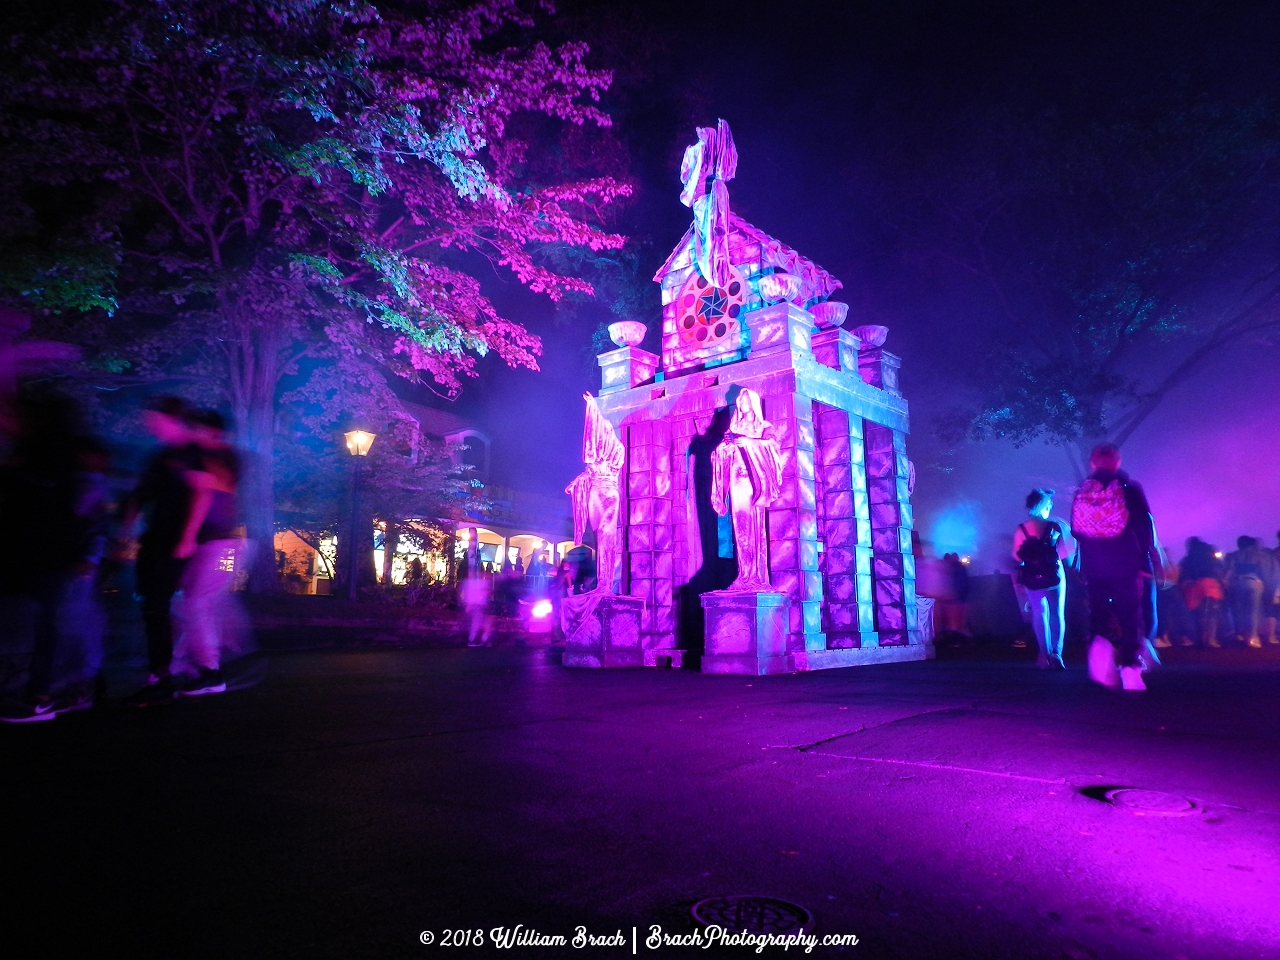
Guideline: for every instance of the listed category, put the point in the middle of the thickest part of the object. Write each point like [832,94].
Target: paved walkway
[343,802]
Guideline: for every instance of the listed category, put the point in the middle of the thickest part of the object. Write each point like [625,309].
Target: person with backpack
[1111,520]
[1253,577]
[1040,545]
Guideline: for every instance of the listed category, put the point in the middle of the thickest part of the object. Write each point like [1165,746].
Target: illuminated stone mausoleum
[757,470]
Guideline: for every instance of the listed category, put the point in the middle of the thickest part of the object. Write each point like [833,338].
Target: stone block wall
[845,530]
[893,572]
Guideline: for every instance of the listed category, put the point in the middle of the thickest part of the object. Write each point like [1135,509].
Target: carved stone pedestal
[602,630]
[746,633]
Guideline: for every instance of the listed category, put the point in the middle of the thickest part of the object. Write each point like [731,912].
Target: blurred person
[78,666]
[1200,580]
[1272,622]
[473,595]
[42,494]
[415,570]
[561,586]
[1252,578]
[952,609]
[211,542]
[520,572]
[1111,520]
[1040,547]
[163,498]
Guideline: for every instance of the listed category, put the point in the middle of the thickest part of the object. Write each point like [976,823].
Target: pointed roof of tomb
[816,283]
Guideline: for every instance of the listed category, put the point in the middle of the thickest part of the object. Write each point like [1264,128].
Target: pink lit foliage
[292,179]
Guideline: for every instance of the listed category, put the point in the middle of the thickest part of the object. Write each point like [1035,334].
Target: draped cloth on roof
[707,165]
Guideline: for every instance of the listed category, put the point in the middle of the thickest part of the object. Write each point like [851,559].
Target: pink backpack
[1099,510]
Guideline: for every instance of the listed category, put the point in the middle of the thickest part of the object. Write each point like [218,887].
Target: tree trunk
[254,361]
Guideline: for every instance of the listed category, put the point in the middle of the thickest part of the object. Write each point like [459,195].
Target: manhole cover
[1155,803]
[752,914]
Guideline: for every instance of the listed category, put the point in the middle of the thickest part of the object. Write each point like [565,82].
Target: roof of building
[439,423]
[749,244]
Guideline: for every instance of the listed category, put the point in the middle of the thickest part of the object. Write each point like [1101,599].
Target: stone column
[879,368]
[624,368]
[849,616]
[793,522]
[893,565]
[837,349]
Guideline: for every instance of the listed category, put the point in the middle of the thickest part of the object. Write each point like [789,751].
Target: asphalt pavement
[345,804]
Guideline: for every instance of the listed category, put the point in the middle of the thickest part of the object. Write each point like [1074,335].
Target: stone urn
[829,314]
[872,335]
[627,333]
[778,287]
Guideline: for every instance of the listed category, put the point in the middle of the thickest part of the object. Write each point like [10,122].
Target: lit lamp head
[359,442]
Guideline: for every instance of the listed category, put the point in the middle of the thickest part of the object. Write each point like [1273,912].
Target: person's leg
[1100,611]
[1057,610]
[47,597]
[200,587]
[1126,597]
[1210,612]
[1253,621]
[158,578]
[1150,612]
[1038,606]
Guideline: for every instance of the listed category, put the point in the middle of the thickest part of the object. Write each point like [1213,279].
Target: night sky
[821,99]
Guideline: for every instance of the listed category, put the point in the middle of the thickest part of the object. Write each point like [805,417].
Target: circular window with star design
[707,315]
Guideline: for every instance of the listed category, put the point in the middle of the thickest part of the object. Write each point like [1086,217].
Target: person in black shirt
[164,498]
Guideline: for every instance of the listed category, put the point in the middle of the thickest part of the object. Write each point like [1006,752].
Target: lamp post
[359,443]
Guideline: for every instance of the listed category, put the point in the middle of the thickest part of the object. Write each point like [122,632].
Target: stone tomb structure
[742,311]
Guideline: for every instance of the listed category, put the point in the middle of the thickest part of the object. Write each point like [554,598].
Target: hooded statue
[594,492]
[746,476]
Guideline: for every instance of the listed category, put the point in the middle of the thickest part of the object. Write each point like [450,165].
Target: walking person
[211,543]
[163,498]
[1040,546]
[1200,577]
[41,487]
[1111,520]
[1252,578]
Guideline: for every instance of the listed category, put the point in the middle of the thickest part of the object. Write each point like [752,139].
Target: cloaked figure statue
[594,492]
[706,166]
[746,476]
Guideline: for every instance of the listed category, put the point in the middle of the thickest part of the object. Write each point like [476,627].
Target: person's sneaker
[206,681]
[1055,663]
[71,702]
[1102,662]
[1255,642]
[1215,644]
[157,691]
[1186,642]
[1163,643]
[1131,678]
[27,710]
